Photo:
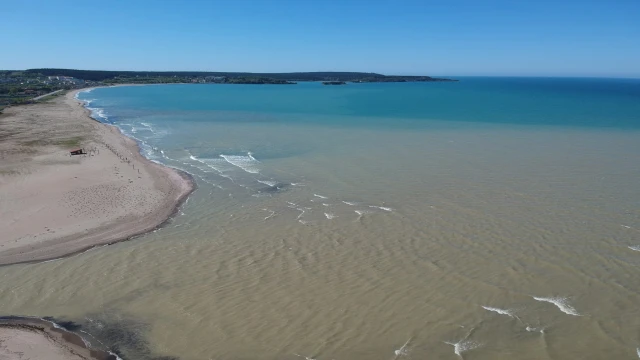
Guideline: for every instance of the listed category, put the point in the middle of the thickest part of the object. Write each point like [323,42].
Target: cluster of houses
[45,80]
[18,87]
[210,79]
[65,80]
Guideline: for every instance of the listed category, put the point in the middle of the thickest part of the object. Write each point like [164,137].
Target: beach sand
[24,338]
[53,204]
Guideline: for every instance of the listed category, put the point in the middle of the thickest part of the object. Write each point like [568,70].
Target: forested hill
[102,75]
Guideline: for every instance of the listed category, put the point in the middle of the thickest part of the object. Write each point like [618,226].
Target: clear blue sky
[447,37]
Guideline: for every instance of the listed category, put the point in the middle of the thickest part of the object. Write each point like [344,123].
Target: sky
[598,38]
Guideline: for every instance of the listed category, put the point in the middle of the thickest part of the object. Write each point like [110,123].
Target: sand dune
[53,204]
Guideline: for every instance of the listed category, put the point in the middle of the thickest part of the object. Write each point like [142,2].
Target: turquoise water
[197,127]
[491,218]
[531,101]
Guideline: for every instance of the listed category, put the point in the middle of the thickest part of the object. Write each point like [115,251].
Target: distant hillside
[102,75]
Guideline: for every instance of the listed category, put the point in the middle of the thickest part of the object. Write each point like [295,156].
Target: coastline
[38,338]
[114,173]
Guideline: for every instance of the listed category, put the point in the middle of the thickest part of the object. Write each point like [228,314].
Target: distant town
[28,86]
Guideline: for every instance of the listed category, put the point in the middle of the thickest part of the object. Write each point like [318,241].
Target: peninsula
[55,204]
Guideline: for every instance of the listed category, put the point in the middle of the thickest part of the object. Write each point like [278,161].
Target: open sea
[491,218]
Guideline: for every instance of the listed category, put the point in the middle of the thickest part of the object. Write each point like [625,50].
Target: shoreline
[36,336]
[164,189]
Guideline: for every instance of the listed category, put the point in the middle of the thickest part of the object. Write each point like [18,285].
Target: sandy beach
[27,338]
[53,204]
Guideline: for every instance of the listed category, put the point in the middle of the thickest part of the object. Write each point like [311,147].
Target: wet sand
[54,204]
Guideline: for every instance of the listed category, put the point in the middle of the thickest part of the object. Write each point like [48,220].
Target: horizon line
[569,76]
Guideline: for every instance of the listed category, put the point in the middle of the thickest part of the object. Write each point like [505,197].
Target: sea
[489,218]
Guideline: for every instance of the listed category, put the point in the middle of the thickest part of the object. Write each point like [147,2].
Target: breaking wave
[247,163]
[561,303]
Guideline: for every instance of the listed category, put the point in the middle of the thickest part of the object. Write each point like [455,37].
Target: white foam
[114,354]
[320,196]
[268,182]
[638,352]
[635,247]
[361,213]
[85,341]
[463,346]
[323,204]
[350,203]
[220,166]
[381,208]
[533,329]
[403,351]
[330,216]
[306,357]
[499,311]
[294,206]
[97,113]
[56,325]
[560,303]
[247,163]
[270,215]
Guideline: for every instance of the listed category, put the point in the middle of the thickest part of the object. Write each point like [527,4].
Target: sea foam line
[295,206]
[463,346]
[635,247]
[85,341]
[560,303]
[247,163]
[499,311]
[381,208]
[268,182]
[220,172]
[270,215]
[361,213]
[320,196]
